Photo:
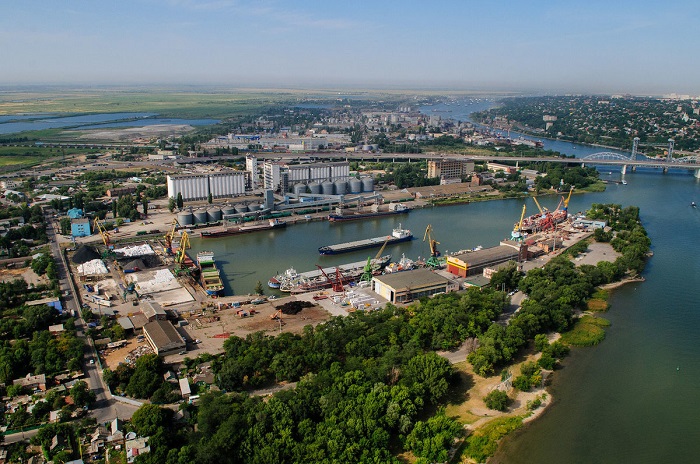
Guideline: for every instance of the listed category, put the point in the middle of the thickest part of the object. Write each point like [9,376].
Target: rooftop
[162,333]
[417,278]
[486,255]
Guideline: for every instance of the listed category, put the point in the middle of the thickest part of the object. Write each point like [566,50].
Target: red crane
[336,284]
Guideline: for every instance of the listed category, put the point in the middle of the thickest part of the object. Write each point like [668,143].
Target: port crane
[566,202]
[337,284]
[180,254]
[109,251]
[517,233]
[367,271]
[169,238]
[433,261]
[542,210]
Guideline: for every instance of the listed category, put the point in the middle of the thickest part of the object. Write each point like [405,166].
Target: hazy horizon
[640,48]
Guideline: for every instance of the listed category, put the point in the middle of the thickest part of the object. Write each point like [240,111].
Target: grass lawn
[588,331]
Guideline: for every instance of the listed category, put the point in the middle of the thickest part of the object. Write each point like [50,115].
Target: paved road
[105,408]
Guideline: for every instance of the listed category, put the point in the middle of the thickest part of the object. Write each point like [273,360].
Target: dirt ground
[8,275]
[230,323]
[112,358]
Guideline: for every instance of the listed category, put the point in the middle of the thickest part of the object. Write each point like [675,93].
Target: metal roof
[417,278]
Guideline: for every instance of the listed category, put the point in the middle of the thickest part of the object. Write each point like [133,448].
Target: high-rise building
[251,165]
[450,168]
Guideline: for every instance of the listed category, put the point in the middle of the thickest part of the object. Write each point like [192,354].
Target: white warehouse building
[303,173]
[199,186]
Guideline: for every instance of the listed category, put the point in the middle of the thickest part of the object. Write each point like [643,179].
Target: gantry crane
[433,261]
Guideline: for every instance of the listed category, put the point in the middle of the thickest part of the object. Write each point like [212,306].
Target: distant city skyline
[639,47]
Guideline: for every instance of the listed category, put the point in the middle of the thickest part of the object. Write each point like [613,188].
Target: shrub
[497,400]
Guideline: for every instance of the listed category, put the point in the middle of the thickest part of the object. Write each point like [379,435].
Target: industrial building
[303,174]
[80,227]
[163,337]
[402,287]
[199,186]
[450,168]
[251,166]
[474,262]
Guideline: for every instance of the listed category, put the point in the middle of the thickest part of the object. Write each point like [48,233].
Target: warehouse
[200,186]
[474,262]
[163,337]
[402,287]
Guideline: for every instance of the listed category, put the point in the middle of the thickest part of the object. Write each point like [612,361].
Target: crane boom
[519,225]
[538,205]
[169,237]
[431,242]
[184,245]
[566,202]
[379,253]
[103,232]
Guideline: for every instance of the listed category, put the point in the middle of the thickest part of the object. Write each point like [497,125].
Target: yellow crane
[519,224]
[517,233]
[184,245]
[538,205]
[103,232]
[431,241]
[169,238]
[566,202]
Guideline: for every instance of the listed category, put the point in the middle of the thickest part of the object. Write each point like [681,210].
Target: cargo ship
[394,208]
[272,224]
[398,235]
[291,281]
[209,274]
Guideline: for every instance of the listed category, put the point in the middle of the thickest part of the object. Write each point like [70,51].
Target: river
[630,399]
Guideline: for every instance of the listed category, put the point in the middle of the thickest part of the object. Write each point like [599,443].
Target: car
[92,361]
[182,352]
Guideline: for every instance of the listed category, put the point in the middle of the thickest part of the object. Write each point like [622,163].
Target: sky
[639,47]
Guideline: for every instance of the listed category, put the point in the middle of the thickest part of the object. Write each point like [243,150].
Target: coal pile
[293,307]
[135,264]
[84,254]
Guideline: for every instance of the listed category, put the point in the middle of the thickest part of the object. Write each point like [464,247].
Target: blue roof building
[75,213]
[80,228]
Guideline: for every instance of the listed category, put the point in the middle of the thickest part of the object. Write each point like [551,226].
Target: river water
[633,398]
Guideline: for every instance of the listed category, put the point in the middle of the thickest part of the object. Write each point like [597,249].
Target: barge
[209,274]
[272,224]
[394,208]
[291,281]
[398,235]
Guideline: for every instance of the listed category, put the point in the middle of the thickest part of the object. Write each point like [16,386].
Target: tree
[147,376]
[497,399]
[150,418]
[65,225]
[210,199]
[82,395]
[180,202]
[259,288]
[171,204]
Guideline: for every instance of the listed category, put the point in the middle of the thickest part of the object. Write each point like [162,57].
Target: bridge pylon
[635,145]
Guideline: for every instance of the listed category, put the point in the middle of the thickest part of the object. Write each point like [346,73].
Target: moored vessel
[394,208]
[209,274]
[398,235]
[272,224]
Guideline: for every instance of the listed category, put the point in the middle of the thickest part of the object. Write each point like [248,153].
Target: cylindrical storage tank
[228,209]
[355,185]
[367,184]
[341,187]
[184,218]
[299,189]
[201,216]
[214,214]
[315,188]
[327,188]
[241,209]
